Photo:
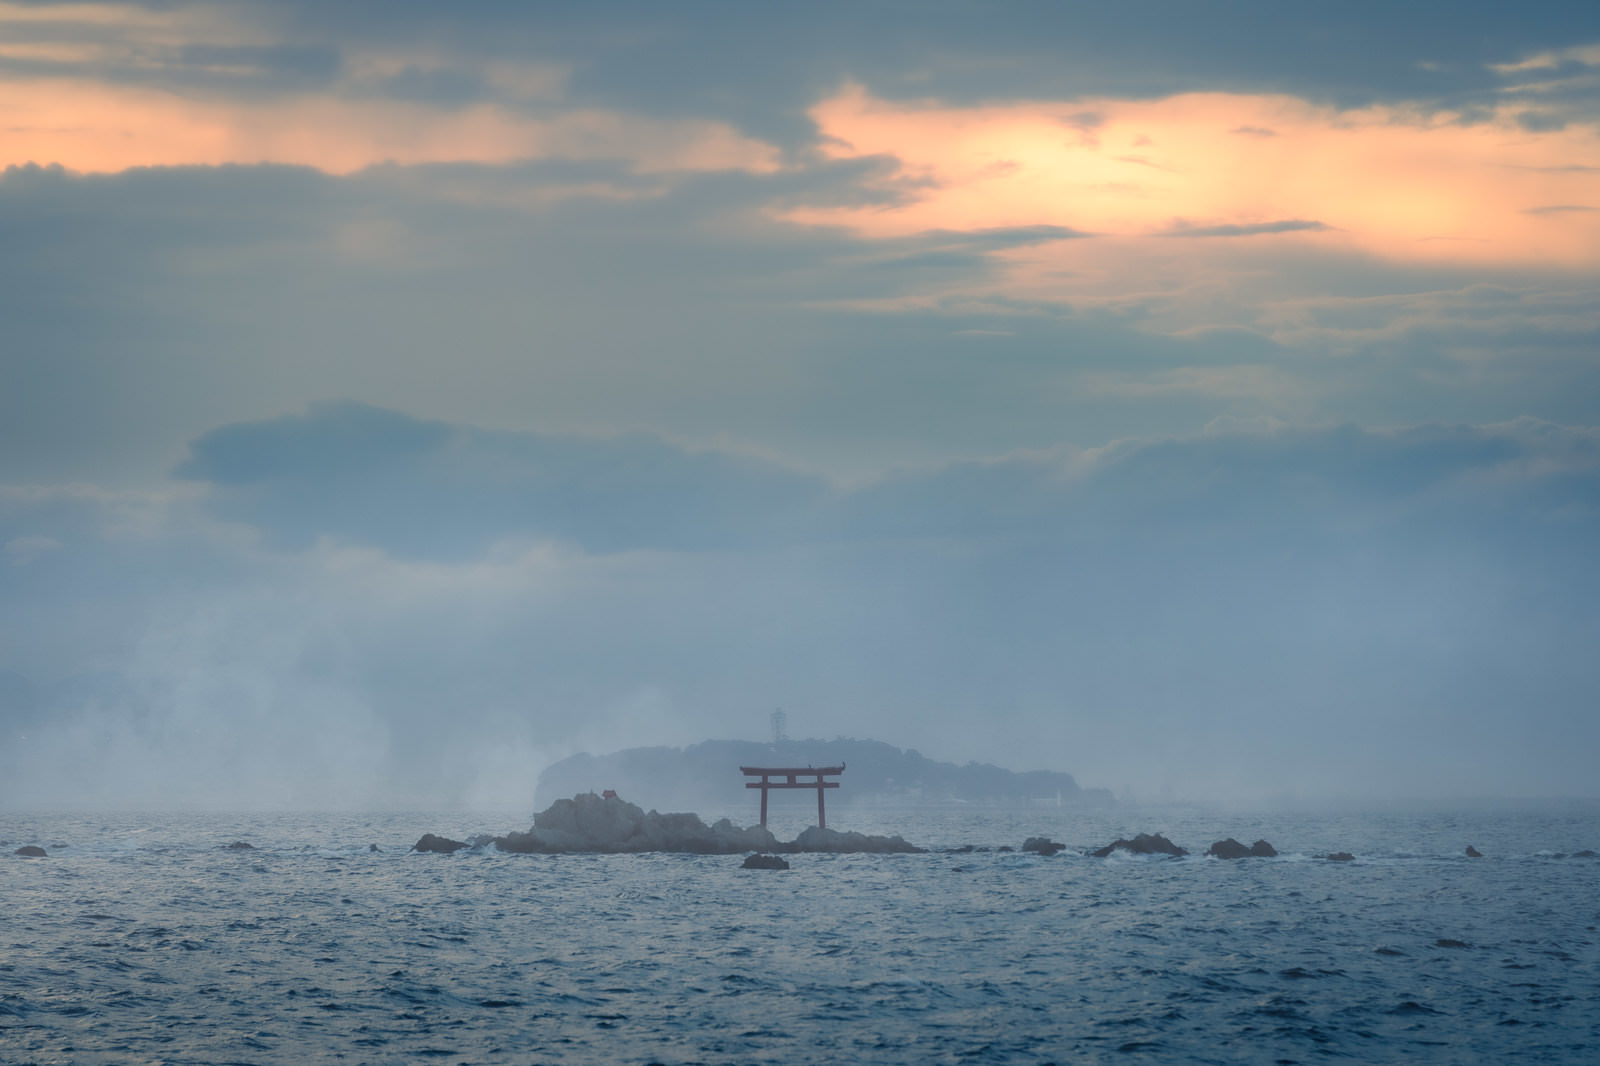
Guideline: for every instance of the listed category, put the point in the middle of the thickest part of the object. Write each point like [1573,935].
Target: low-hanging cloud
[431,490]
[428,489]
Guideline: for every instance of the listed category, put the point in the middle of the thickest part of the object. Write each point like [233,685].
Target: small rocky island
[609,824]
[701,777]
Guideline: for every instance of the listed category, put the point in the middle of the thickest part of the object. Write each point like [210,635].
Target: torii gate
[791,779]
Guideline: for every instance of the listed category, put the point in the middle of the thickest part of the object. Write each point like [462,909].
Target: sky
[398,397]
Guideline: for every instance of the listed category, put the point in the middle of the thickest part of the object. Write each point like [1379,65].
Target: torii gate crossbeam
[790,777]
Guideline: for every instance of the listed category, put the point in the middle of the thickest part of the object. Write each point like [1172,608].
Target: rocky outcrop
[30,851]
[437,845]
[590,823]
[1338,856]
[832,840]
[1042,846]
[606,823]
[1143,844]
[1473,853]
[238,845]
[765,862]
[1232,849]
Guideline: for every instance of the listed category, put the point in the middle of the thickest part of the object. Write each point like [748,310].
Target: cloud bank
[1243,614]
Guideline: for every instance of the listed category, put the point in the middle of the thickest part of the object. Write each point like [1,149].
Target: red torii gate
[791,779]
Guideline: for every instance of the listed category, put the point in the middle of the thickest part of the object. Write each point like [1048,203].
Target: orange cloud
[82,121]
[1382,181]
[113,15]
[89,126]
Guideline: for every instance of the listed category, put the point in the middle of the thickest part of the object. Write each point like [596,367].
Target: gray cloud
[336,286]
[428,490]
[315,63]
[425,489]
[781,61]
[761,68]
[1540,121]
[1559,209]
[1289,225]
[156,308]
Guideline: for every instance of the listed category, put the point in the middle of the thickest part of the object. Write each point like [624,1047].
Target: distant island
[706,776]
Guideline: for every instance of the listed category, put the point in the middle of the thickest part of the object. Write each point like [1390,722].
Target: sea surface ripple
[142,938]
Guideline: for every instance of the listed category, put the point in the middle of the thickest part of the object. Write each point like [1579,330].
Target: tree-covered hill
[706,776]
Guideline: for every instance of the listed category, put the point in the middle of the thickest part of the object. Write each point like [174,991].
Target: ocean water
[141,939]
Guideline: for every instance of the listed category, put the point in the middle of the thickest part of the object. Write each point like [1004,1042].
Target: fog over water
[395,401]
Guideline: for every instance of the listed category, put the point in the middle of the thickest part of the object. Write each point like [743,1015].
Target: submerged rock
[1042,845]
[438,845]
[1585,854]
[1338,856]
[833,840]
[1232,849]
[765,862]
[30,851]
[1143,844]
[238,845]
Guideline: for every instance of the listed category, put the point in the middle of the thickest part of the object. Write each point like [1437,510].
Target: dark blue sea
[142,939]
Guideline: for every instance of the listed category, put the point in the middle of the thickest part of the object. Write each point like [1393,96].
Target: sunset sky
[397,397]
